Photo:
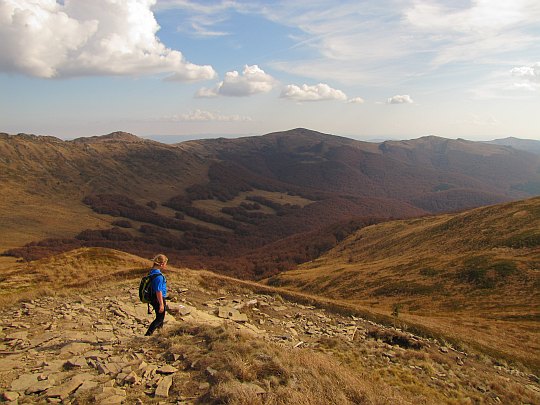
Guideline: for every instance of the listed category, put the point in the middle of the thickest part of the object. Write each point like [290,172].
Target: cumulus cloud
[356,100]
[318,92]
[79,37]
[400,99]
[205,116]
[529,76]
[253,80]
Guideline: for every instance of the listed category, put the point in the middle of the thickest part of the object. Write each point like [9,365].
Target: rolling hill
[250,206]
[473,275]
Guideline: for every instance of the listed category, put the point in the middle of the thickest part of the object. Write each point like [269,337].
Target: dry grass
[246,367]
[79,268]
[29,217]
[336,371]
[472,277]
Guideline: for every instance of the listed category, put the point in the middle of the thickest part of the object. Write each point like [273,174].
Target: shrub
[122,223]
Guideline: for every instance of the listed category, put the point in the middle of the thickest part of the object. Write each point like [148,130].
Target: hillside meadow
[473,277]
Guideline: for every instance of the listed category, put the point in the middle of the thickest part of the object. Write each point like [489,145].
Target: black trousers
[158,322]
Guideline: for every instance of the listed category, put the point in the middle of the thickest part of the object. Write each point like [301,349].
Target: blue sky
[363,69]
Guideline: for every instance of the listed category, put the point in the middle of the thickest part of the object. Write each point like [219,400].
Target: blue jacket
[159,283]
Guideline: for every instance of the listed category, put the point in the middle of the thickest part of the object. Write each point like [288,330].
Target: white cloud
[205,116]
[400,99]
[480,32]
[205,92]
[529,76]
[253,80]
[318,92]
[99,37]
[356,100]
[480,121]
[387,41]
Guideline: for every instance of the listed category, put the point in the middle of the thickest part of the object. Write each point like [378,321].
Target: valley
[472,276]
[427,249]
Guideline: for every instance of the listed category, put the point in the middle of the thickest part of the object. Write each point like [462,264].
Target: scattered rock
[65,390]
[254,388]
[10,396]
[111,396]
[204,386]
[168,369]
[24,382]
[132,378]
[163,387]
[232,314]
[40,386]
[23,335]
[211,372]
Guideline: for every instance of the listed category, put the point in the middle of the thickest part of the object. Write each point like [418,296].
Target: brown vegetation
[465,275]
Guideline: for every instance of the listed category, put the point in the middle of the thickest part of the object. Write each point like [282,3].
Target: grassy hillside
[291,348]
[228,204]
[474,276]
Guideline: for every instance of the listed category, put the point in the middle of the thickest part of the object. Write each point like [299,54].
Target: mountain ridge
[223,198]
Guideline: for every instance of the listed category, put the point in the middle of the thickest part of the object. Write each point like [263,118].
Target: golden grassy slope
[44,179]
[332,370]
[472,276]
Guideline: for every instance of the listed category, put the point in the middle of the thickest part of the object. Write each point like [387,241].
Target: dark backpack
[146,292]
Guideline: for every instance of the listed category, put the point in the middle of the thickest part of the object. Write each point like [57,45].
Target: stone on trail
[10,363]
[76,362]
[254,388]
[24,382]
[22,335]
[10,396]
[40,386]
[75,348]
[66,389]
[163,387]
[232,314]
[87,385]
[111,396]
[132,378]
[168,369]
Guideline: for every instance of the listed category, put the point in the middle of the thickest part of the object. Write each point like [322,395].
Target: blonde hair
[160,259]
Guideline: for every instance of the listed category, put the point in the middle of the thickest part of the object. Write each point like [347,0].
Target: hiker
[158,291]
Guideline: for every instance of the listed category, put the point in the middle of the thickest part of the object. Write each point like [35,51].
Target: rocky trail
[88,347]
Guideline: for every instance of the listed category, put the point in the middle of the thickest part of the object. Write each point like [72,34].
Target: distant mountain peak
[112,137]
[528,145]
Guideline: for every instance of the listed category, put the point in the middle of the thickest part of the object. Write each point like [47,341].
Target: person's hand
[161,308]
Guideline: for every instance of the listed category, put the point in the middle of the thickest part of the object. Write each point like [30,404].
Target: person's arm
[159,296]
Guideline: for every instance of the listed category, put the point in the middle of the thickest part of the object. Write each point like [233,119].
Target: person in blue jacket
[159,292]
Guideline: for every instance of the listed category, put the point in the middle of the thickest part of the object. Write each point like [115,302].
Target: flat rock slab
[163,387]
[10,396]
[168,369]
[10,363]
[24,382]
[110,396]
[40,386]
[22,335]
[112,400]
[76,362]
[65,390]
[75,348]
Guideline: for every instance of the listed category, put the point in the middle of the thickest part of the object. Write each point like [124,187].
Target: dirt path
[89,347]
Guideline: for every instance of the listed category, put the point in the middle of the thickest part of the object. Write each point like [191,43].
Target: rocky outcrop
[91,345]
